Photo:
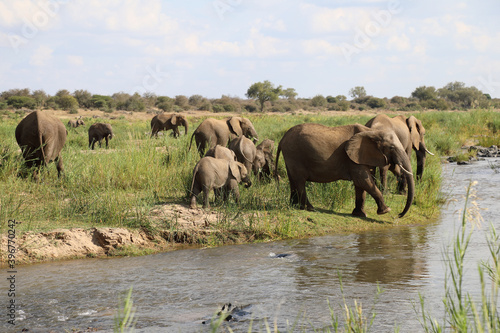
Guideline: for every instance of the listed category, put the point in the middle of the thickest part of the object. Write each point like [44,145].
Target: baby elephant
[99,131]
[212,173]
[221,152]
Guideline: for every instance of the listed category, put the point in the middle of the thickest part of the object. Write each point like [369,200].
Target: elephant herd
[228,153]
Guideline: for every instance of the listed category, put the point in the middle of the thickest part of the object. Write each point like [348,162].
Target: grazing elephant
[213,132]
[41,137]
[410,133]
[221,153]
[212,173]
[245,151]
[323,154]
[264,158]
[74,123]
[165,122]
[99,131]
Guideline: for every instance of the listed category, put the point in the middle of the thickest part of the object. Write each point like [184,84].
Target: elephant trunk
[421,157]
[185,128]
[411,190]
[248,184]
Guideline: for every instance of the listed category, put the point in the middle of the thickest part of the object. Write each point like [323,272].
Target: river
[282,282]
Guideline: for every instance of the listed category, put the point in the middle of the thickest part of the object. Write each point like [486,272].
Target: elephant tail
[275,175]
[191,140]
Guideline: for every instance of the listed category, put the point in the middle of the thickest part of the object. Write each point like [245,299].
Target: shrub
[182,101]
[206,105]
[250,108]
[375,102]
[18,102]
[3,105]
[67,102]
[319,101]
[217,108]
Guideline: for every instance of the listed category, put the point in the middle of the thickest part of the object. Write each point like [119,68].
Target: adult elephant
[323,154]
[99,131]
[41,137]
[165,122]
[410,133]
[213,132]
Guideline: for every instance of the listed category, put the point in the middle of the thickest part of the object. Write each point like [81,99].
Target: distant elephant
[264,158]
[165,122]
[410,133]
[212,173]
[221,153]
[213,132]
[41,137]
[74,123]
[99,131]
[323,154]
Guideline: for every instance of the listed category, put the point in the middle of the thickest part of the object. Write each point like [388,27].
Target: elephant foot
[358,213]
[383,211]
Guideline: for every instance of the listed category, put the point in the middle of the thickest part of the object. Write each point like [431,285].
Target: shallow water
[279,281]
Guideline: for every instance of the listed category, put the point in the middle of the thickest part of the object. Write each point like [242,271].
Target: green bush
[319,101]
[375,102]
[18,102]
[217,108]
[250,108]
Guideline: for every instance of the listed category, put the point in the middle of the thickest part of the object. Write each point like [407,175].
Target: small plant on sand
[124,317]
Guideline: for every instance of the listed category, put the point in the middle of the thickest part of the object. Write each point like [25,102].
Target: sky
[221,47]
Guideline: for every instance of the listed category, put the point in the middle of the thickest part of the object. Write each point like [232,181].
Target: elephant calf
[221,153]
[212,173]
[258,159]
[74,123]
[99,131]
[165,122]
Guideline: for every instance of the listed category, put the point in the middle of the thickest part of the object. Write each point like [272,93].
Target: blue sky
[216,47]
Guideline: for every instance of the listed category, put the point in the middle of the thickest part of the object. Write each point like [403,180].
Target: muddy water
[280,282]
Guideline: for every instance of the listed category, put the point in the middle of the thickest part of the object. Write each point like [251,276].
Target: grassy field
[118,187]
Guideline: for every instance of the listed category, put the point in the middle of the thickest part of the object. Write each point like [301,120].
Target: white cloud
[399,43]
[41,56]
[319,47]
[326,20]
[75,60]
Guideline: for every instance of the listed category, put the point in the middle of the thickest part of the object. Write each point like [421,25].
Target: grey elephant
[322,154]
[213,132]
[99,131]
[410,133]
[264,158]
[41,137]
[213,174]
[165,122]
[221,153]
[74,123]
[245,151]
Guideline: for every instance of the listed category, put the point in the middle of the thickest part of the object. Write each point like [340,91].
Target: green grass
[117,187]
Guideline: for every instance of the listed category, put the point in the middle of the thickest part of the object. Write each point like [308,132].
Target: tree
[289,93]
[357,92]
[40,97]
[424,93]
[62,92]
[263,92]
[67,102]
[18,102]
[84,98]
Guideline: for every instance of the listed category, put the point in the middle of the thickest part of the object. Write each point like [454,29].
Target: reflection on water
[177,291]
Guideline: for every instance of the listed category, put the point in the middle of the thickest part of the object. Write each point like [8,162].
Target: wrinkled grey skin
[74,123]
[221,153]
[322,154]
[410,133]
[264,158]
[213,174]
[41,137]
[213,132]
[245,151]
[99,131]
[165,122]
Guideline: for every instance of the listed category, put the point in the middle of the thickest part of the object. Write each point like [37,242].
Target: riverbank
[137,204]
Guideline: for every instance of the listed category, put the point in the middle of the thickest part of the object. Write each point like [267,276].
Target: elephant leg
[359,209]
[106,138]
[298,194]
[194,193]
[365,183]
[383,178]
[59,166]
[206,192]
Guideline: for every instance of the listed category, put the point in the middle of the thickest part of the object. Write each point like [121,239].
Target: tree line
[260,96]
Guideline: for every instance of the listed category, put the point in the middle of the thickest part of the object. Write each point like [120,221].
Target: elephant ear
[234,124]
[362,148]
[234,169]
[415,127]
[173,120]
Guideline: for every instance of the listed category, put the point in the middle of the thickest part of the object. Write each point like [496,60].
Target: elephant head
[180,120]
[240,173]
[417,133]
[242,126]
[378,148]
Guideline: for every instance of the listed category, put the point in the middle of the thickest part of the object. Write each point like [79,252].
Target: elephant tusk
[406,171]
[428,152]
